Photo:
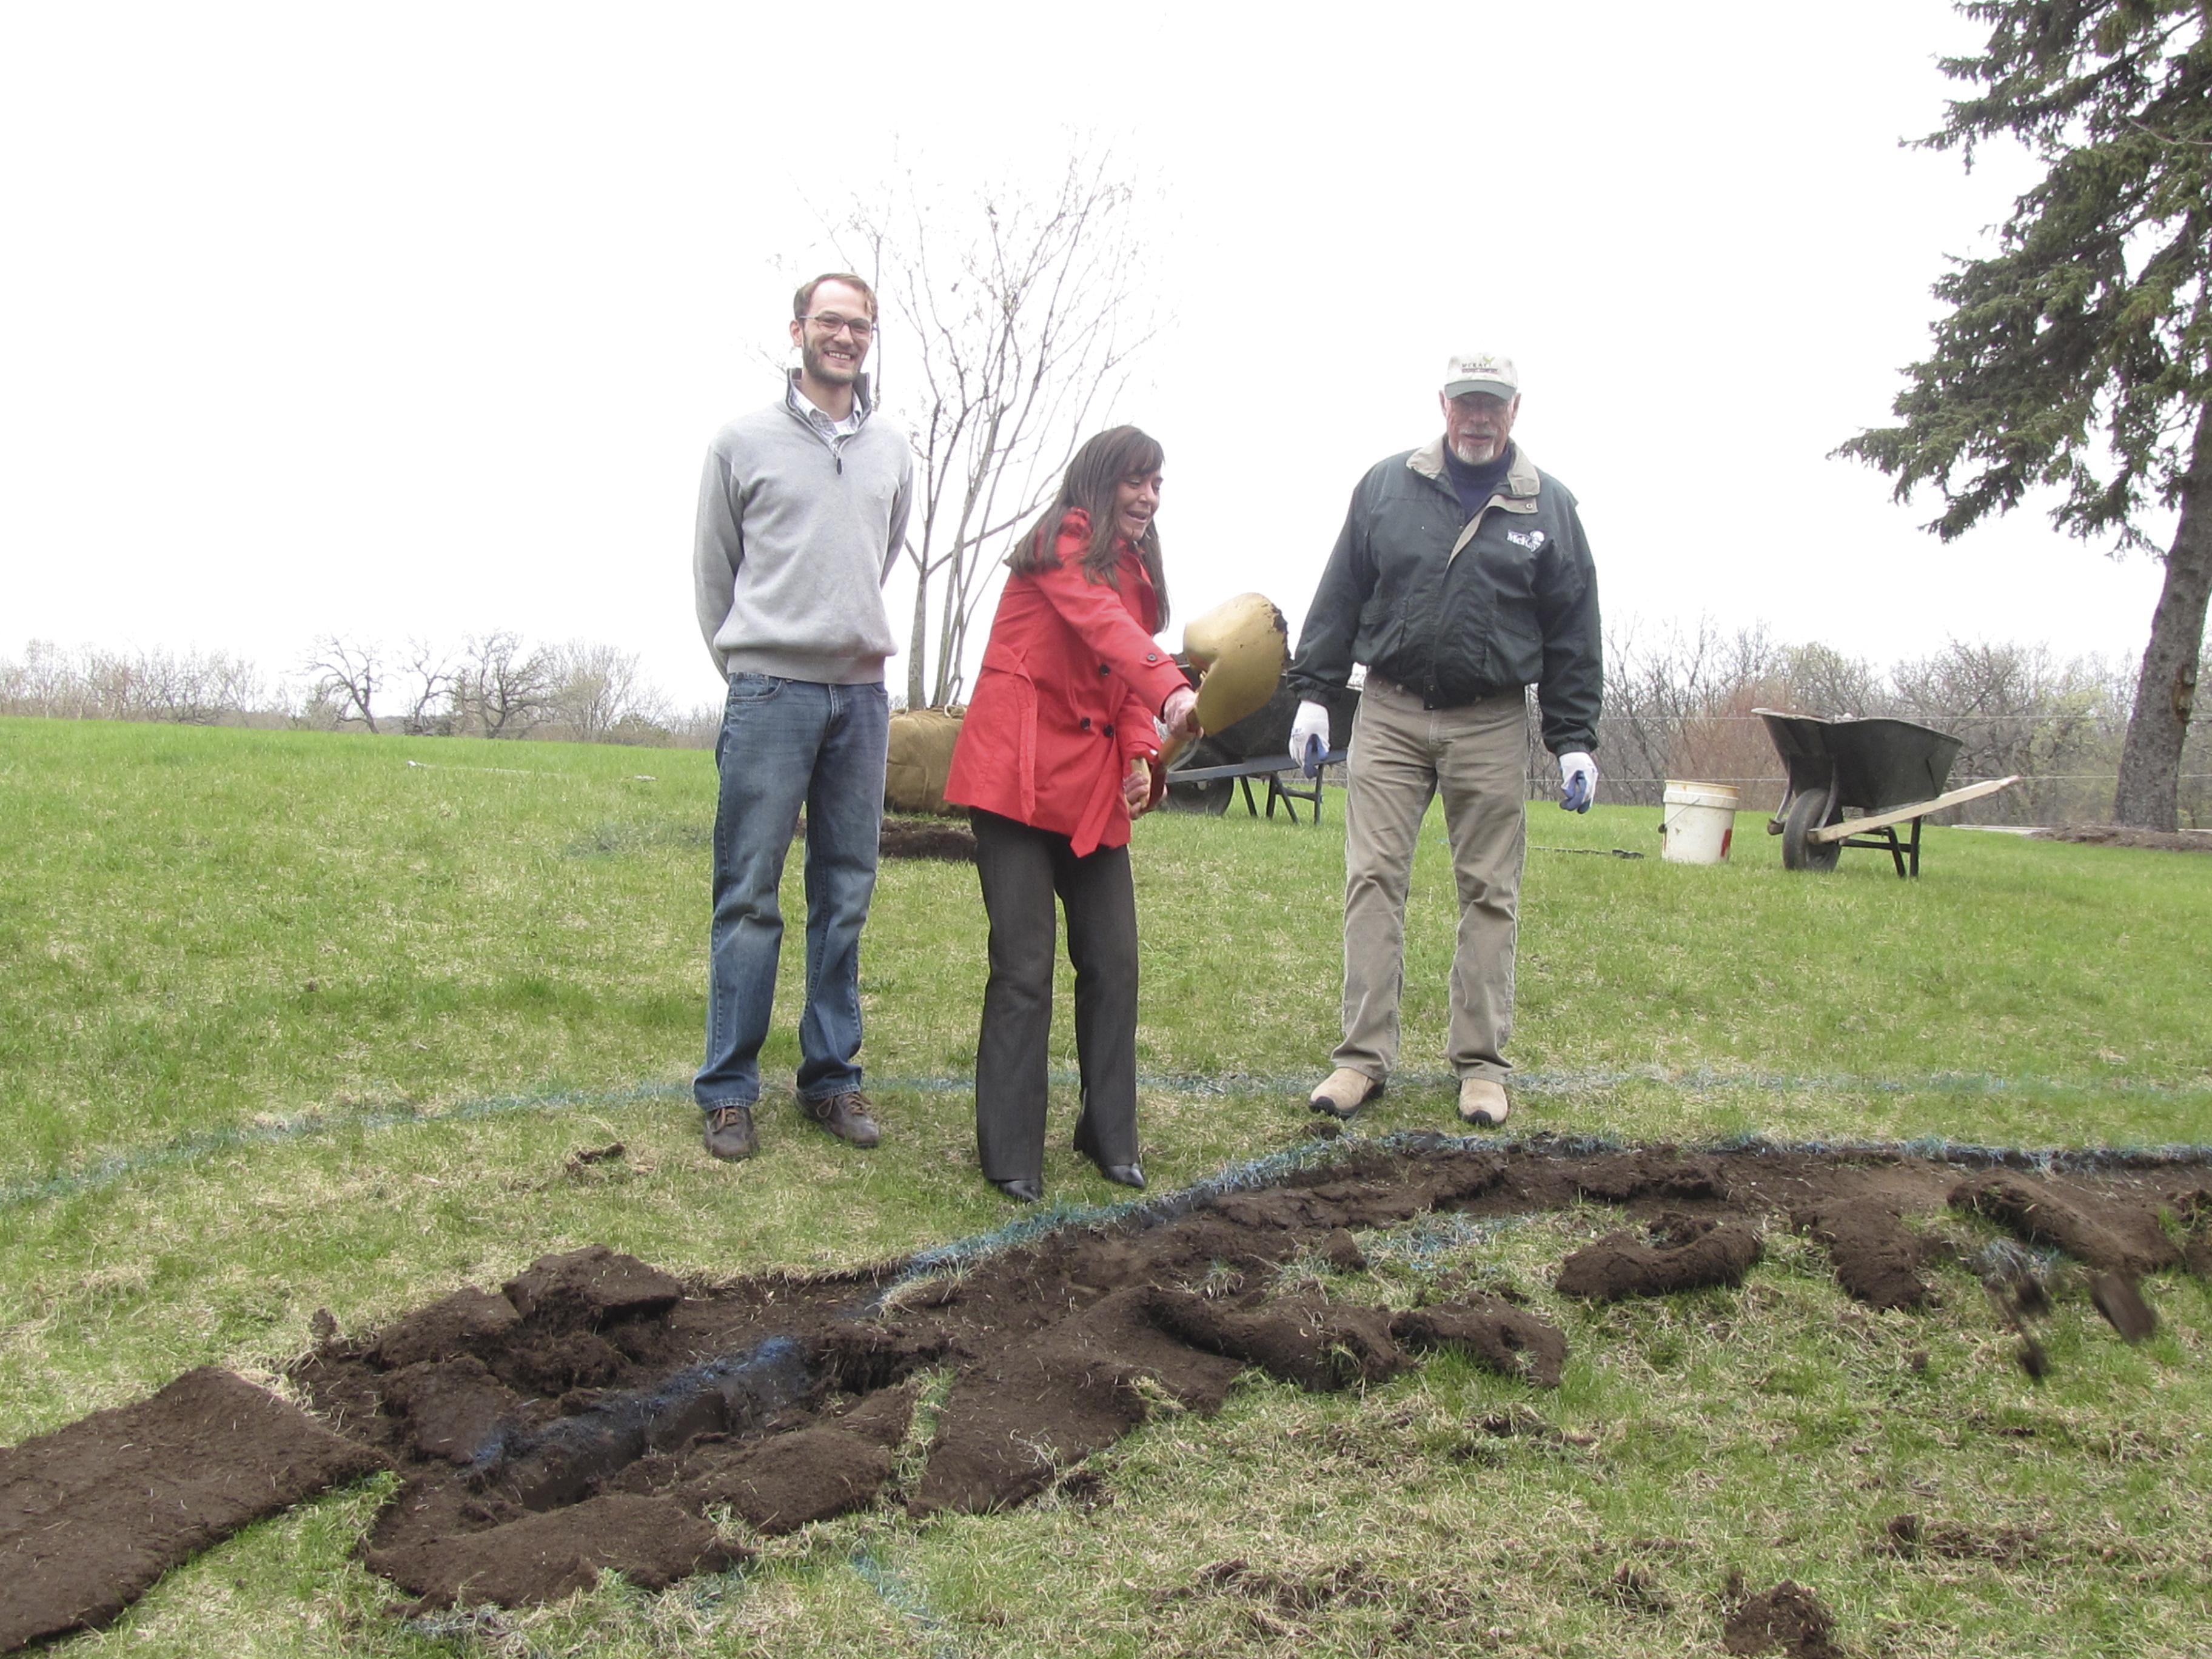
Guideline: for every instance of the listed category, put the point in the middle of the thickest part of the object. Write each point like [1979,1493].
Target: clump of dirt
[951,843]
[1909,1537]
[2193,1210]
[1526,1423]
[1651,1172]
[2118,1238]
[2114,834]
[453,1407]
[1787,1620]
[92,1514]
[2017,1295]
[1054,1395]
[1877,1257]
[788,1480]
[1350,1584]
[1494,1333]
[1282,1606]
[1687,1254]
[587,1415]
[1303,1340]
[590,1288]
[543,1556]
[2117,1297]
[1341,1251]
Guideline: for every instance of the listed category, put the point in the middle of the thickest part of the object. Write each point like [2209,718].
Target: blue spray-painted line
[1254,1172]
[206,1143]
[904,1599]
[187,1149]
[1429,1244]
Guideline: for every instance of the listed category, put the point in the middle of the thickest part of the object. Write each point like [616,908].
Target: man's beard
[1491,450]
[823,371]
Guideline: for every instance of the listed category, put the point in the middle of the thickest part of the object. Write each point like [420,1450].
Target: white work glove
[1311,723]
[1577,782]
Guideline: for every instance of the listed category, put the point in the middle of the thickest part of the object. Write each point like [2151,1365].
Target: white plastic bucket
[1697,822]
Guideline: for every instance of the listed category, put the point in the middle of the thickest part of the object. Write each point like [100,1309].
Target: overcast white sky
[417,320]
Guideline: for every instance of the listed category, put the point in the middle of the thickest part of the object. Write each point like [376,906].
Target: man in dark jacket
[1461,578]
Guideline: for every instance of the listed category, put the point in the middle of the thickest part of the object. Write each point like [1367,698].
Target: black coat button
[1109,731]
[1105,668]
[1084,725]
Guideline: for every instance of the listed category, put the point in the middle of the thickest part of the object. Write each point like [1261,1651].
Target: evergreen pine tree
[2079,356]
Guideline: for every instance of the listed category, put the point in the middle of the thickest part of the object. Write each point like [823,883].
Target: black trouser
[1022,870]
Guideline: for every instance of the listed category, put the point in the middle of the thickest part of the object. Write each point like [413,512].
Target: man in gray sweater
[802,511]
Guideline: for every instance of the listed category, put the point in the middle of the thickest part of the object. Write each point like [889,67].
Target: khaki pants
[1402,755]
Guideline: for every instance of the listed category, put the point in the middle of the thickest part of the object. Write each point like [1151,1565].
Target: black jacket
[1455,608]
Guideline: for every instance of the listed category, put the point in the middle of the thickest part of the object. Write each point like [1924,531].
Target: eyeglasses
[832,324]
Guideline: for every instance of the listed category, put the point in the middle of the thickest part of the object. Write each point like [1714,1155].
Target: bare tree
[500,690]
[191,687]
[43,683]
[112,686]
[1823,681]
[2018,711]
[426,674]
[600,693]
[347,673]
[1014,324]
[1678,705]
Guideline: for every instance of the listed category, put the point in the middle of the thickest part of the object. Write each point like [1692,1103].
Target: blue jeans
[785,745]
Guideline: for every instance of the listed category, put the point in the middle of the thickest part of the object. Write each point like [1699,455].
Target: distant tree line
[493,685]
[1680,705]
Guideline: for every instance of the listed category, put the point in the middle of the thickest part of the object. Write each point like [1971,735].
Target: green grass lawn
[292,1021]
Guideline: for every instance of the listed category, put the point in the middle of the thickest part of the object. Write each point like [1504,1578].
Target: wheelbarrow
[1892,772]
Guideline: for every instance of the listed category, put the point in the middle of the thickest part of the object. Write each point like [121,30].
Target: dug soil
[2113,834]
[92,1514]
[949,844]
[595,1413]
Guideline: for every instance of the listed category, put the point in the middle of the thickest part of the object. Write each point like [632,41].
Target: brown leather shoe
[845,1116]
[730,1132]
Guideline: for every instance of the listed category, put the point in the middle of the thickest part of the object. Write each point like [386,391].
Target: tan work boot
[1344,1092]
[1482,1101]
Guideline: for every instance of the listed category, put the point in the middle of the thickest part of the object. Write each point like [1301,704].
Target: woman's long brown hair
[1102,463]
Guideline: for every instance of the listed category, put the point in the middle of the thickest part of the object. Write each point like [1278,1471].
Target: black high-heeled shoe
[1131,1174]
[1028,1191]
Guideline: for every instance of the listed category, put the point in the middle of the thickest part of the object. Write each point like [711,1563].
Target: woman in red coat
[1058,753]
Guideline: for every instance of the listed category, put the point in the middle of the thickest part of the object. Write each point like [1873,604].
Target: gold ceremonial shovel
[1239,648]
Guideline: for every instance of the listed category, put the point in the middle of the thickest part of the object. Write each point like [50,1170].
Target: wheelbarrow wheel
[1809,812]
[1212,797]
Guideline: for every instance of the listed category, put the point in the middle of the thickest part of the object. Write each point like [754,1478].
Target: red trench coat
[1071,680]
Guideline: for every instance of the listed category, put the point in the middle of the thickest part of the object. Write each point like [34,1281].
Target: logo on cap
[1481,371]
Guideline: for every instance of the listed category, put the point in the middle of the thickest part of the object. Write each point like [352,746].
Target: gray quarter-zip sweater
[798,532]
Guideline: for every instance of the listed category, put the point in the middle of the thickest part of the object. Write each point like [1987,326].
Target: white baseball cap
[1481,371]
